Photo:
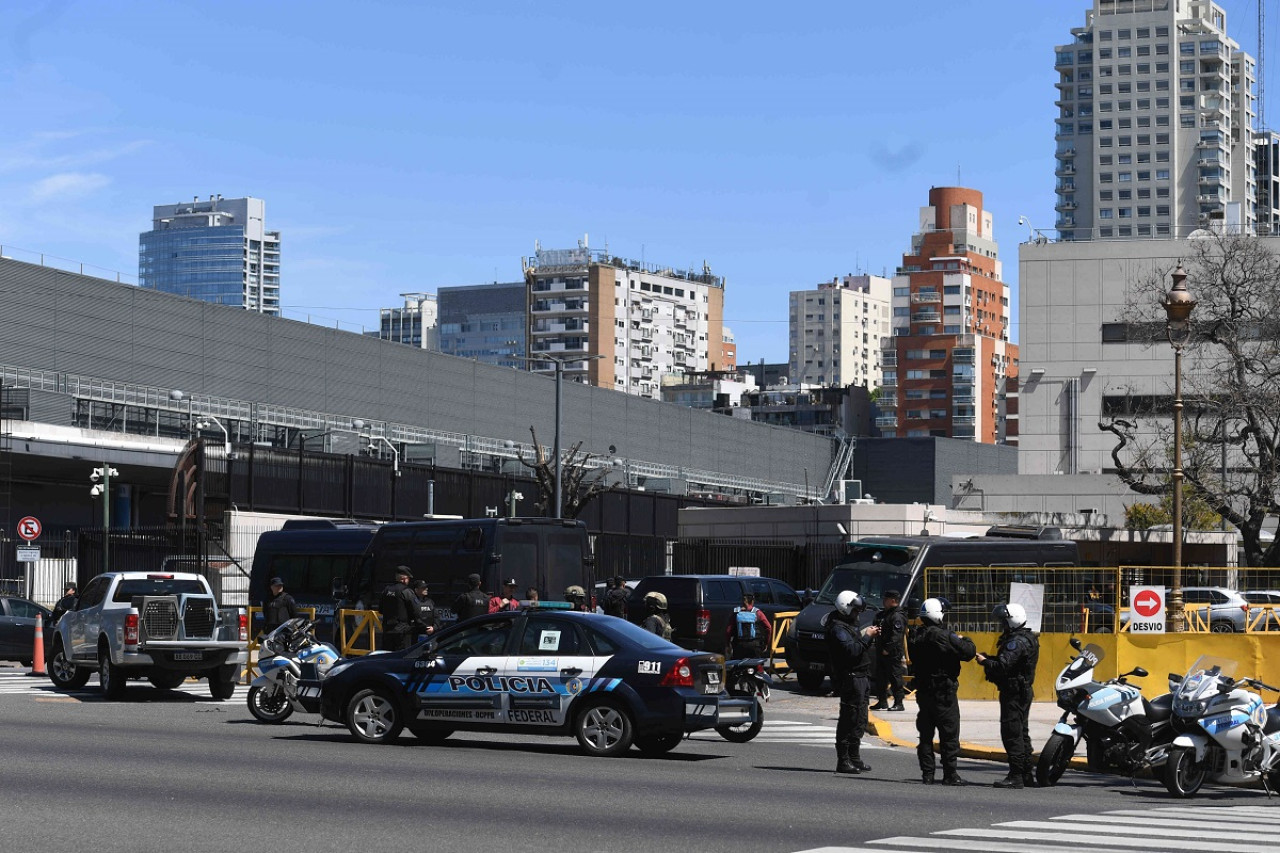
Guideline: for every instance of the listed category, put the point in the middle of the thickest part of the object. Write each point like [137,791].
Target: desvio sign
[1146,610]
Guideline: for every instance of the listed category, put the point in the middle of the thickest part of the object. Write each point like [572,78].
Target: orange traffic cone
[37,655]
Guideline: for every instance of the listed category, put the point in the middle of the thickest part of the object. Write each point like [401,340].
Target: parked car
[604,681]
[18,628]
[1265,597]
[701,606]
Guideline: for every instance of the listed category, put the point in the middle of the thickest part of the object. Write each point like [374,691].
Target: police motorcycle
[1119,726]
[1224,732]
[286,656]
[746,678]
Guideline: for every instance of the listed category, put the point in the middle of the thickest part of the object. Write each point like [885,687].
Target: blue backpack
[745,624]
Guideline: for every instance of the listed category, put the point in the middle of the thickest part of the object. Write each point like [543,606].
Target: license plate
[188,655]
[816,666]
[713,678]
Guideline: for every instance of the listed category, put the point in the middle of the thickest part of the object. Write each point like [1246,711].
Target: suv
[1270,599]
[701,606]
[1228,609]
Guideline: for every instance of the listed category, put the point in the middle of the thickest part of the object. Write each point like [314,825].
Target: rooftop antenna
[958,182]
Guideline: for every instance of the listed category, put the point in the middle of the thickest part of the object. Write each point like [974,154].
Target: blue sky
[406,146]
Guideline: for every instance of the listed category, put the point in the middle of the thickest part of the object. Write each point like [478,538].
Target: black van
[307,554]
[700,607]
[545,553]
[874,564]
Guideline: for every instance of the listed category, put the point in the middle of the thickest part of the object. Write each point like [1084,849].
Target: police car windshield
[869,580]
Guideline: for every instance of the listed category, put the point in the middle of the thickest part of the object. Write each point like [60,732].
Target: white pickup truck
[165,627]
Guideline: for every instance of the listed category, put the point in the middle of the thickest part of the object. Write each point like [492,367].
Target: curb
[883,730]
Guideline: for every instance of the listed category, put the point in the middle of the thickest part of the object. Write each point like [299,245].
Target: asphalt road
[179,771]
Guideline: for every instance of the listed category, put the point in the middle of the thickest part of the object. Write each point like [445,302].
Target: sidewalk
[979,727]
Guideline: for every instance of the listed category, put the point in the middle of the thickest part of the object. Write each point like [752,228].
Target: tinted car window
[760,586]
[23,609]
[603,645]
[93,593]
[127,589]
[723,591]
[486,638]
[544,635]
[785,595]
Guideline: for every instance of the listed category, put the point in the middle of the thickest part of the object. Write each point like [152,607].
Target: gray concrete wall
[60,321]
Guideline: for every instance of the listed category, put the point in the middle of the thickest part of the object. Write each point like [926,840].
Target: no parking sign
[1146,605]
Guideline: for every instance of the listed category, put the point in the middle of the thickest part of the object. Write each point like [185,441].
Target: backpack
[666,628]
[744,624]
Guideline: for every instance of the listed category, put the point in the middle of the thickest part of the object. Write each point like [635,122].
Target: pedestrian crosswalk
[18,683]
[1209,828]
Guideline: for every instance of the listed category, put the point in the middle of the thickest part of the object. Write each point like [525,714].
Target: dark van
[546,553]
[874,564]
[701,606]
[307,554]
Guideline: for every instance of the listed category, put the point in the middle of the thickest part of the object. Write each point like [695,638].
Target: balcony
[888,401]
[926,317]
[1065,205]
[1065,169]
[1066,154]
[926,296]
[887,421]
[963,420]
[962,355]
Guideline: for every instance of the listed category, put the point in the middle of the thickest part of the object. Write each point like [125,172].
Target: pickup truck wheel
[166,680]
[373,716]
[64,674]
[222,682]
[111,678]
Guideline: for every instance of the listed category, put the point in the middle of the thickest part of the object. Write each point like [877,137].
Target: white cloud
[67,184]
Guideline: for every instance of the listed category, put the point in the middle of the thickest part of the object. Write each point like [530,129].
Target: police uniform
[936,654]
[889,668]
[280,609]
[399,609]
[426,613]
[850,667]
[1013,670]
[473,602]
[615,602]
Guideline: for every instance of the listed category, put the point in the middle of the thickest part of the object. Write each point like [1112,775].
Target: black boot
[860,766]
[927,777]
[897,706]
[881,705]
[954,779]
[1013,780]
[843,764]
[1029,780]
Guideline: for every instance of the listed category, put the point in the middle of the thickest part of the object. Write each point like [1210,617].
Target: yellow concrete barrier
[1159,654]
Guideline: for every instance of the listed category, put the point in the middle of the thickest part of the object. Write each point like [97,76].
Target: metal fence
[1096,600]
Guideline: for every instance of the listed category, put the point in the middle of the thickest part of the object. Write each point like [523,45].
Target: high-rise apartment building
[1156,108]
[947,365]
[415,324]
[643,321]
[216,251]
[1266,158]
[485,322]
[836,331]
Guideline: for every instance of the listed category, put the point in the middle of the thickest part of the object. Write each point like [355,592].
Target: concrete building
[1266,158]
[947,365]
[837,329]
[485,322]
[1156,108]
[629,323]
[415,324]
[216,251]
[718,391]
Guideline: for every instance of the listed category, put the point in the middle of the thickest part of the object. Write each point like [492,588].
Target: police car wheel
[430,735]
[373,717]
[659,744]
[603,729]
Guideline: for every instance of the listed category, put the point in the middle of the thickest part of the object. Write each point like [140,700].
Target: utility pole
[101,478]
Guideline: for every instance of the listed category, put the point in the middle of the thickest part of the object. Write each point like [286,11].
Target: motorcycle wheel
[1053,759]
[1182,777]
[269,706]
[744,732]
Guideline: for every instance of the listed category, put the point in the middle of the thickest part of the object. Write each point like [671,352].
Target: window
[1162,139]
[1144,32]
[1104,177]
[1105,195]
[1144,175]
[1126,141]
[1104,53]
[1162,103]
[1124,52]
[1125,195]
[1162,210]
[1162,174]
[1126,212]
[1124,159]
[1104,107]
[1187,66]
[1105,160]
[1126,176]
[1124,35]
[1144,103]
[1144,210]
[1104,213]
[1162,50]
[1187,48]
[1104,142]
[1162,32]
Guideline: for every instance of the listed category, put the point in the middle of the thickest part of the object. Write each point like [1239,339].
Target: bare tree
[1231,415]
[578,483]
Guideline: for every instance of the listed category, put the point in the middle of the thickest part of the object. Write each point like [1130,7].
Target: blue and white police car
[603,680]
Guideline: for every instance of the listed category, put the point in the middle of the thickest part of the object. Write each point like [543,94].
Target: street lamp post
[559,363]
[1178,305]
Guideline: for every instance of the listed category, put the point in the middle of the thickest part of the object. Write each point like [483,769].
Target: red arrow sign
[1147,603]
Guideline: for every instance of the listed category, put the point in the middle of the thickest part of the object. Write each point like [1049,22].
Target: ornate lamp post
[1178,305]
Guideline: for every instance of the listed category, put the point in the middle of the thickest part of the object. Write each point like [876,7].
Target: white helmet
[1013,615]
[848,601]
[932,611]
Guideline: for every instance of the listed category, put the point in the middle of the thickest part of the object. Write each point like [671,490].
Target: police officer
[577,598]
[279,609]
[473,602]
[399,609]
[889,668]
[1013,670]
[427,622]
[850,649]
[615,600]
[657,622]
[936,653]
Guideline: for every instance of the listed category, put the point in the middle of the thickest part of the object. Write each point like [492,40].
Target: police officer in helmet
[657,622]
[1013,670]
[577,598]
[851,652]
[936,653]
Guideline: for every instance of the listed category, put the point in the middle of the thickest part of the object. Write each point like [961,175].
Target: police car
[605,681]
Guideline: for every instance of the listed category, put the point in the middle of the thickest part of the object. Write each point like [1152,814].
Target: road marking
[1209,828]
[42,690]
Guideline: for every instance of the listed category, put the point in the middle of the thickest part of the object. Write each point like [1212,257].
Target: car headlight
[339,667]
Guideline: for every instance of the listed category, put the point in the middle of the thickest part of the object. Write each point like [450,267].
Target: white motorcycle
[288,656]
[1119,726]
[1225,733]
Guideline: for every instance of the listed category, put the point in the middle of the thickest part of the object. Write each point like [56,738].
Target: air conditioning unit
[850,491]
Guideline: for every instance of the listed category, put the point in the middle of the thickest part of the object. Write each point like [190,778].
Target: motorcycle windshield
[1205,676]
[1087,659]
